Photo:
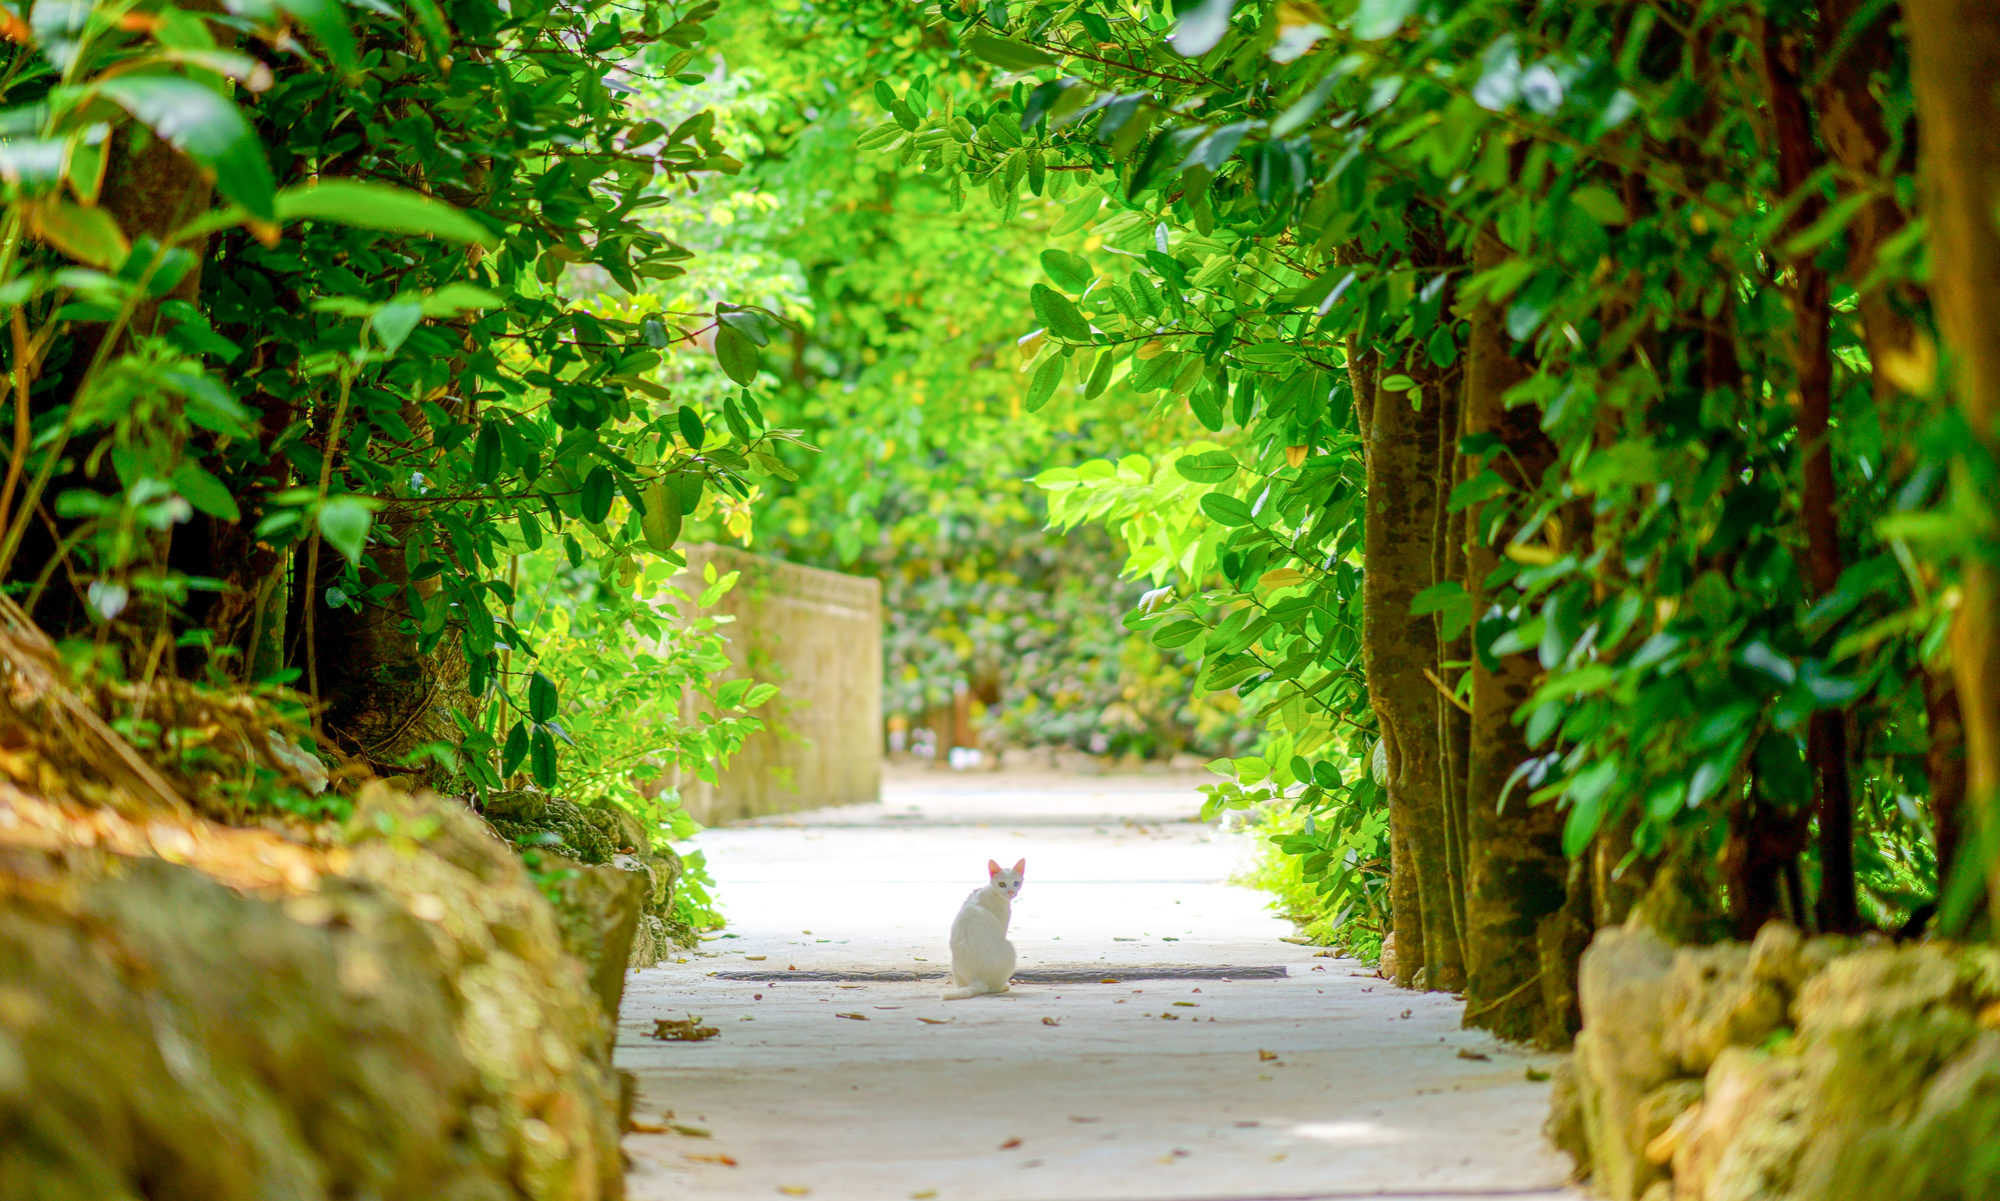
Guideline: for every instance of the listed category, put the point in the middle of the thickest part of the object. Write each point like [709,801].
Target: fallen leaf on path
[923,1194]
[1468,1053]
[794,1190]
[1264,1056]
[1110,980]
[1078,1118]
[1170,1017]
[687,1131]
[853,1017]
[888,1007]
[682,1030]
[935,1021]
[1319,967]
[724,1160]
[1326,954]
[791,967]
[1117,939]
[850,986]
[1051,1022]
[1197,990]
[1010,1144]
[756,958]
[1406,1013]
[638,1127]
[1189,1004]
[1248,1124]
[1537,1075]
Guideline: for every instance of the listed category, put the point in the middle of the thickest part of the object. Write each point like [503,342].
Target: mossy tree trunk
[1400,652]
[1517,874]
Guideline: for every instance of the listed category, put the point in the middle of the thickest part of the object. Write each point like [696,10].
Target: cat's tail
[978,989]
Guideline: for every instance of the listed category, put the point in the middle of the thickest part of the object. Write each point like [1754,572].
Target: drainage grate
[1062,975]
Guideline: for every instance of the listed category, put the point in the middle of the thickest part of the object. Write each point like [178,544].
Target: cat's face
[1007,879]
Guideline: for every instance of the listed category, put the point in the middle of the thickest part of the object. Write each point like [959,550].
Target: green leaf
[662,524]
[1070,272]
[541,698]
[1208,467]
[205,492]
[453,300]
[516,749]
[1376,19]
[1047,377]
[202,124]
[394,322]
[380,207]
[1206,408]
[542,757]
[736,353]
[1058,314]
[1005,52]
[1201,27]
[1100,375]
[1077,215]
[692,429]
[1600,203]
[344,522]
[487,458]
[1226,509]
[88,235]
[598,490]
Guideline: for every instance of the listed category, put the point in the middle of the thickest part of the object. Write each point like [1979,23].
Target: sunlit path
[1194,1083]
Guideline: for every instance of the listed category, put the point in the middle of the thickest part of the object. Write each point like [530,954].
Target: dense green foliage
[902,358]
[299,394]
[1714,545]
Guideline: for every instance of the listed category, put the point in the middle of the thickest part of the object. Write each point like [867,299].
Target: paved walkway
[1173,1047]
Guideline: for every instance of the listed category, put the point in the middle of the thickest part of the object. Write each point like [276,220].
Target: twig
[1448,693]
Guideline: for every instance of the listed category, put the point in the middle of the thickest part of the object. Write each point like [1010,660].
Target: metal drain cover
[1060,975]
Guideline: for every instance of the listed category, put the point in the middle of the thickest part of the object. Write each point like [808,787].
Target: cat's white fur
[982,959]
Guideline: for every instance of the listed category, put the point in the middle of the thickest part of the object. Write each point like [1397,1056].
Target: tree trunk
[1518,876]
[1812,312]
[1400,653]
[1954,63]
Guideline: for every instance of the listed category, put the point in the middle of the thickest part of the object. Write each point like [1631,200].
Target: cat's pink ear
[1021,867]
[992,868]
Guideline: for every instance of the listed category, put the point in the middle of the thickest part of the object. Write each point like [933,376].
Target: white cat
[981,957]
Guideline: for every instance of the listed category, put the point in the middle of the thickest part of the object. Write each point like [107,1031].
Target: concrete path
[1175,1047]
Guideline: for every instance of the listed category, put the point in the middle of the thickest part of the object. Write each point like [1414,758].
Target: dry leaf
[794,1190]
[923,1194]
[1110,980]
[683,1128]
[935,1021]
[1467,1053]
[1076,1118]
[638,1127]
[853,1017]
[1010,1144]
[724,1160]
[1050,1022]
[1189,1004]
[756,958]
[1264,1056]
[1536,1075]
[682,1030]
[1170,1017]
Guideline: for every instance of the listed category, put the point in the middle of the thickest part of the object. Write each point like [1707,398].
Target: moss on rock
[408,1027]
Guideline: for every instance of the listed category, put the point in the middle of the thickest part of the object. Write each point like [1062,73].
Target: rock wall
[588,855]
[1784,1070]
[818,635]
[192,1013]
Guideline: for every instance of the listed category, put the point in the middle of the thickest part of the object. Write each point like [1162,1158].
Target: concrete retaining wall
[818,636]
